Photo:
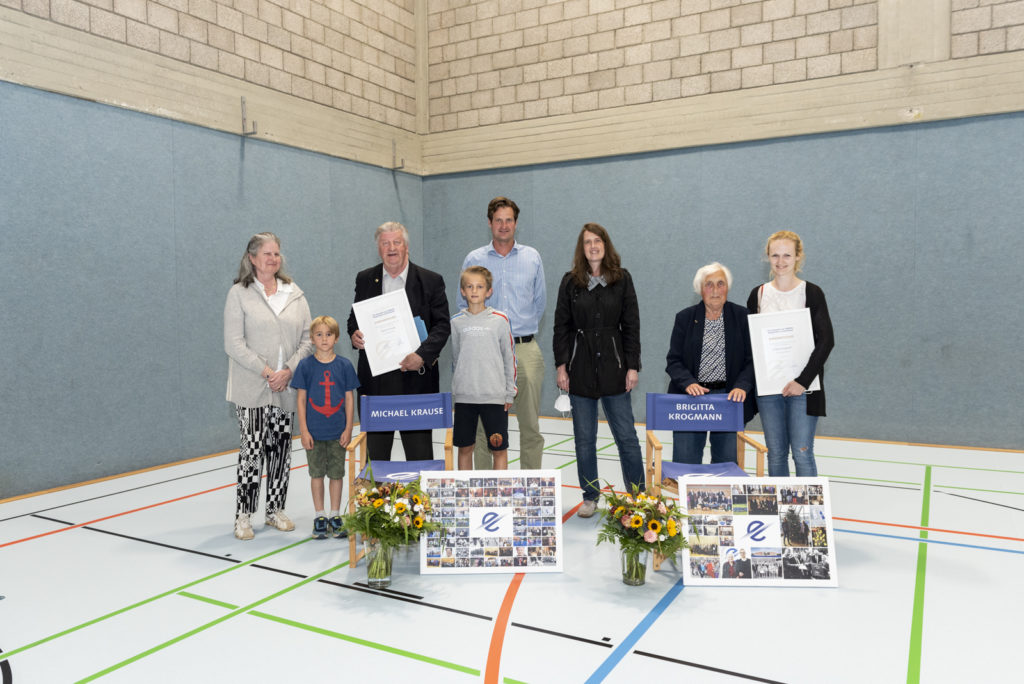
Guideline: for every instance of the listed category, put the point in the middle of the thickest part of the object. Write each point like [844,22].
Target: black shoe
[320,526]
[338,528]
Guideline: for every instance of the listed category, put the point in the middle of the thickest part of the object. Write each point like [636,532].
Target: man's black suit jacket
[428,300]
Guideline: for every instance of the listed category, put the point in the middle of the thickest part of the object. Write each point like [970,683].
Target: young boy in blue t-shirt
[325,383]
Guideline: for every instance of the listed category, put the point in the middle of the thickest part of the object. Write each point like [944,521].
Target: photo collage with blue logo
[747,531]
[495,520]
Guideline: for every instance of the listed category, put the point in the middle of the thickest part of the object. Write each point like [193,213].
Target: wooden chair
[357,458]
[656,480]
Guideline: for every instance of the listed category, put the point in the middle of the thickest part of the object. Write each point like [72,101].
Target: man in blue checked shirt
[520,292]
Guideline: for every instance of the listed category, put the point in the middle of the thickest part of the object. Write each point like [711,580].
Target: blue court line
[627,644]
[931,541]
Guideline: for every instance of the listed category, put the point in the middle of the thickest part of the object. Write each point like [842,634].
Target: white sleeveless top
[773,300]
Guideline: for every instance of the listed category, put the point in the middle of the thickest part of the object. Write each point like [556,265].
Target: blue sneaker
[338,528]
[320,527]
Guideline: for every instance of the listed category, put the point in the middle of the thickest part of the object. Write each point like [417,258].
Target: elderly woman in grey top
[266,334]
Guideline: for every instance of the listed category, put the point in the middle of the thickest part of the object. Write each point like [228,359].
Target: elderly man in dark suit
[418,372]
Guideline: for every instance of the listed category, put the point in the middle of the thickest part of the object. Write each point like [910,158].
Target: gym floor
[139,578]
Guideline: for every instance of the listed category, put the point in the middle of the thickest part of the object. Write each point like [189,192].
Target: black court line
[391,591]
[358,586]
[379,592]
[121,491]
[279,570]
[175,479]
[707,667]
[5,671]
[520,625]
[140,539]
[971,498]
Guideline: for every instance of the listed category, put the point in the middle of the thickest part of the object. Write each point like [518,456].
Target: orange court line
[116,515]
[114,477]
[929,529]
[500,626]
[501,622]
[134,510]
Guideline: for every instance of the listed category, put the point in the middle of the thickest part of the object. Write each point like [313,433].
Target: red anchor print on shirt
[327,409]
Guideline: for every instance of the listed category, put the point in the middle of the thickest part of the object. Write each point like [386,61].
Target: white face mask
[562,403]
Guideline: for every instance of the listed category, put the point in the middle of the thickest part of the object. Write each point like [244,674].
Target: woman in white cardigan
[266,334]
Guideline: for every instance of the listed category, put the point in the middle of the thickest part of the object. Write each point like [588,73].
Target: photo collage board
[496,521]
[758,531]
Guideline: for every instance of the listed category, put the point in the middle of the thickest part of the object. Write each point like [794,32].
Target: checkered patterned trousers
[266,443]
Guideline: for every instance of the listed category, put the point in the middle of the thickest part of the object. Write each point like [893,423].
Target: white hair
[704,271]
[391,227]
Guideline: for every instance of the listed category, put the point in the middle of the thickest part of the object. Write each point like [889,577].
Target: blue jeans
[688,447]
[787,426]
[619,411]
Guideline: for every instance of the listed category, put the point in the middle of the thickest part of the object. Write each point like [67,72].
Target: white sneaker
[243,528]
[587,509]
[280,521]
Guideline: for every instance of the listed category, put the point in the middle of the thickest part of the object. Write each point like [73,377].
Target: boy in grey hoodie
[484,370]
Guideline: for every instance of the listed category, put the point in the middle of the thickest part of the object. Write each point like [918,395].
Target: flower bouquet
[387,516]
[641,523]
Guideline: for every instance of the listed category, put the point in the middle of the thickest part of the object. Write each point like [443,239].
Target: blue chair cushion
[672,470]
[399,471]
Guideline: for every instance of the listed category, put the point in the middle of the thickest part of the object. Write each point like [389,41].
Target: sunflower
[378,503]
[636,521]
[416,499]
[417,522]
[400,507]
[654,526]
[619,511]
[671,526]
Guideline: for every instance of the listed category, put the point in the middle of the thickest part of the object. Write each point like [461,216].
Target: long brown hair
[611,267]
[246,273]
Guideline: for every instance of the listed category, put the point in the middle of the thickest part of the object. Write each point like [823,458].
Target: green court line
[8,654]
[546,449]
[212,623]
[975,489]
[917,620]
[911,463]
[346,637]
[207,599]
[369,644]
[565,465]
[567,439]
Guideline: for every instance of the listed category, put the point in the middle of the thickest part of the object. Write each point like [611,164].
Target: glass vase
[634,567]
[378,564]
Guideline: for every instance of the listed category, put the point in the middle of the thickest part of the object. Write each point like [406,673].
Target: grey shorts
[326,458]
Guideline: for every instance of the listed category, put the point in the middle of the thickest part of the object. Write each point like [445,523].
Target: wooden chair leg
[355,466]
[449,458]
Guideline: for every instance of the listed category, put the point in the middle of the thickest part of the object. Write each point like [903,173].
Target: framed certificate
[781,343]
[389,331]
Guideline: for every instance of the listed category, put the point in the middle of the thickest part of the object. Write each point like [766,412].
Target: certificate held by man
[781,343]
[389,331]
